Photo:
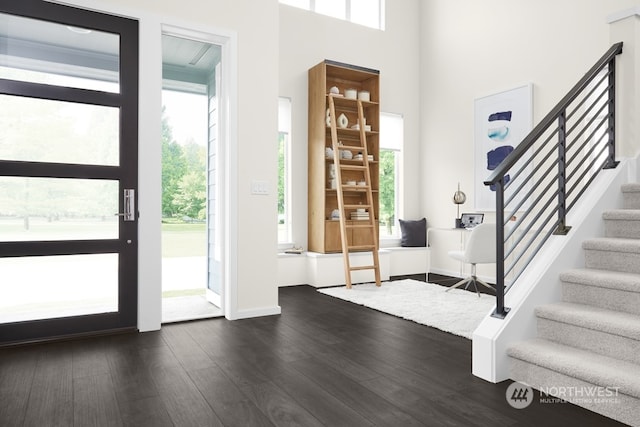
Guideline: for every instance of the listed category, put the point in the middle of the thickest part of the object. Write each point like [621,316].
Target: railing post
[562,228]
[611,155]
[501,310]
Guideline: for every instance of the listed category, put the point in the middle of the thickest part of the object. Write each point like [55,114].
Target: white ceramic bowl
[364,95]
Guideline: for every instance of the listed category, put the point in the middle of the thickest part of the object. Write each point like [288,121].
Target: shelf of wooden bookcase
[324,235]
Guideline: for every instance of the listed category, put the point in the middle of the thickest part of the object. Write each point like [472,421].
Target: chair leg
[460,283]
[482,282]
[473,280]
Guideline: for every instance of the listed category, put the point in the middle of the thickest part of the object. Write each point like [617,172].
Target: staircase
[588,346]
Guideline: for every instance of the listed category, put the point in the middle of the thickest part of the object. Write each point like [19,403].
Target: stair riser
[631,200]
[622,228]
[611,299]
[612,261]
[626,409]
[599,342]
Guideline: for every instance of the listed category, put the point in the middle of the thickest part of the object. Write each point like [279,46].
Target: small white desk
[463,234]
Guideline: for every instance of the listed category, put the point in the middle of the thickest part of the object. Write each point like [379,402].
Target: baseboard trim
[255,312]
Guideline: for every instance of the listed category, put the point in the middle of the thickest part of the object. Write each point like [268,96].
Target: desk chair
[480,249]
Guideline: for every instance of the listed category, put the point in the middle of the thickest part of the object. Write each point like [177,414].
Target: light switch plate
[259,187]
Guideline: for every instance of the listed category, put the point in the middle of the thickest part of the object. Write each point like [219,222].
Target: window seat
[322,270]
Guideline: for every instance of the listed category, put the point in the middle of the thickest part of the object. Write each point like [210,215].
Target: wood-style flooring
[323,362]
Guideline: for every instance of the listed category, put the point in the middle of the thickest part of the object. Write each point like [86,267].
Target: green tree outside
[387,188]
[184,180]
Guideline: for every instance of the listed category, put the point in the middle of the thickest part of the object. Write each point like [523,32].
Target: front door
[68,171]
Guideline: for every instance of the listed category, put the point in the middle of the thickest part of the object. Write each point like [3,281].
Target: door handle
[129,205]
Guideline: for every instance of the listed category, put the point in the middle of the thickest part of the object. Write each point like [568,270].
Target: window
[333,8]
[284,143]
[369,13]
[391,141]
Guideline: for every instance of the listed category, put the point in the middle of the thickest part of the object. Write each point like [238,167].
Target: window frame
[390,240]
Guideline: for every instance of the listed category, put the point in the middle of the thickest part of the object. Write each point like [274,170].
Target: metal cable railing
[542,179]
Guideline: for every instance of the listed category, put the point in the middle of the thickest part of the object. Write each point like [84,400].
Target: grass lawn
[182,240]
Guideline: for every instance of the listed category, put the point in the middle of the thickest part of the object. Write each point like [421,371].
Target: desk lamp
[458,199]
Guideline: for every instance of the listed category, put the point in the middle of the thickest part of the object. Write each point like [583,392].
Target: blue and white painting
[502,121]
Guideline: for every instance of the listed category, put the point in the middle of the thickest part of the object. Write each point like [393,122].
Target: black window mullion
[59,93]
[62,247]
[58,170]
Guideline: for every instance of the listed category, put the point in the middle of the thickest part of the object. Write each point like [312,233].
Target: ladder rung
[360,226]
[356,206]
[363,267]
[353,167]
[355,187]
[361,247]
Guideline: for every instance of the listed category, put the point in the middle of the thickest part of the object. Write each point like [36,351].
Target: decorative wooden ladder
[343,208]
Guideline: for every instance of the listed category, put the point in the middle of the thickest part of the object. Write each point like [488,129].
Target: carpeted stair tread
[595,318]
[603,279]
[612,244]
[622,214]
[581,364]
[630,188]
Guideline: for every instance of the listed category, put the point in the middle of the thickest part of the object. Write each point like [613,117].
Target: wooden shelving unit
[324,232]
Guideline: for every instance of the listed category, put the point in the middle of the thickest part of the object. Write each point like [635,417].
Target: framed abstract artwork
[501,121]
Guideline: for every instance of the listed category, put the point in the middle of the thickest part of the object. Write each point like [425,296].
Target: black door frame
[126,246]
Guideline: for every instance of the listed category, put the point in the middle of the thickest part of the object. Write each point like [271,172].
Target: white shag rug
[458,311]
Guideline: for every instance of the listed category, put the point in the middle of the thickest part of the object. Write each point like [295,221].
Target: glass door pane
[56,131]
[34,209]
[59,54]
[46,287]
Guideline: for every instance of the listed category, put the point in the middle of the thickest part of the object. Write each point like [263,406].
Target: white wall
[625,26]
[471,49]
[307,38]
[254,24]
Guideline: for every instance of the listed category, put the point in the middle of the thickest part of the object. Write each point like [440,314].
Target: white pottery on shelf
[328,152]
[364,95]
[351,94]
[343,122]
[334,90]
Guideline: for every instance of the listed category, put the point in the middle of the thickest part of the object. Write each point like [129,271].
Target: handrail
[542,178]
[533,136]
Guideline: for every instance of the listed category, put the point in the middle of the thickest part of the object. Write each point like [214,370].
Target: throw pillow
[414,232]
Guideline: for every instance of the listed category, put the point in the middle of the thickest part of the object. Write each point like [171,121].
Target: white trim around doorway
[150,169]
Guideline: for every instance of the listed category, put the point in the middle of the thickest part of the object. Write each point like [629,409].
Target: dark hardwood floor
[323,362]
